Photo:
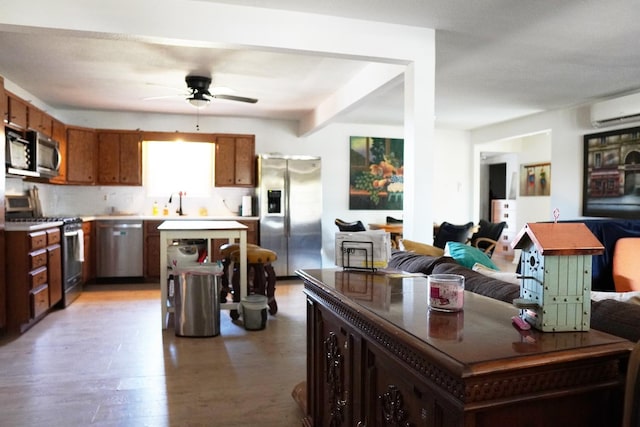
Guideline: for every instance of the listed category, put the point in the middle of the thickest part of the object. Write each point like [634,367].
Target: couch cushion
[420,248]
[415,263]
[468,255]
[617,318]
[481,284]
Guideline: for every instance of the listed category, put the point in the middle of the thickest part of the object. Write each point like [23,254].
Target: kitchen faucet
[180,194]
[179,210]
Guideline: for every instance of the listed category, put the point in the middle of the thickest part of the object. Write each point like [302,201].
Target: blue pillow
[466,255]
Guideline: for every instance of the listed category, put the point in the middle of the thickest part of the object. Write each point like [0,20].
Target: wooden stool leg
[235,282]
[259,281]
[224,289]
[271,288]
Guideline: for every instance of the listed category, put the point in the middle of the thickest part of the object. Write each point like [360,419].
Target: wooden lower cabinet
[152,245]
[33,276]
[152,250]
[361,383]
[252,237]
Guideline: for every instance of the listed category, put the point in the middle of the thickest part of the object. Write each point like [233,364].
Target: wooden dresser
[378,357]
[505,210]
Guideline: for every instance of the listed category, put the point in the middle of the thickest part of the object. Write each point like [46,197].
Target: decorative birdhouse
[555,287]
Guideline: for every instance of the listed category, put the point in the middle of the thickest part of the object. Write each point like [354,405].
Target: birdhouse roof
[559,239]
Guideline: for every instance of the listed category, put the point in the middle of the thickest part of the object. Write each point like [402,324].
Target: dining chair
[448,232]
[350,226]
[487,236]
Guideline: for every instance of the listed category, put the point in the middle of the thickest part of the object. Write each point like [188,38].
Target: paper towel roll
[246,206]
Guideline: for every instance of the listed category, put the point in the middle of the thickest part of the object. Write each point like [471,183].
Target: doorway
[497,184]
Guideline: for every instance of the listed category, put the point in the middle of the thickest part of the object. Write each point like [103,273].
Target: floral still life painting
[376,173]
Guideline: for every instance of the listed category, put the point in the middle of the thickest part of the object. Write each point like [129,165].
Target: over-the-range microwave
[47,156]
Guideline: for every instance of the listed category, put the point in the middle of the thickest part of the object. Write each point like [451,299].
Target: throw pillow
[468,255]
[505,276]
[420,248]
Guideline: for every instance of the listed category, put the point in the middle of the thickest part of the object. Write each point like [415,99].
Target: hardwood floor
[105,361]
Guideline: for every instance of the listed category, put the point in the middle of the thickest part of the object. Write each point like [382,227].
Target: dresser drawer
[53,236]
[39,301]
[37,240]
[37,258]
[38,277]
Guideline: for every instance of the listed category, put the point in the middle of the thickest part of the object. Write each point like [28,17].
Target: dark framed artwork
[376,173]
[612,174]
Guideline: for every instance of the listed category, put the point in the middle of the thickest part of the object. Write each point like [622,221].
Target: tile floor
[106,361]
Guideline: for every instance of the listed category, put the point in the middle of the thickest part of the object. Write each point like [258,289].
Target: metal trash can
[197,301]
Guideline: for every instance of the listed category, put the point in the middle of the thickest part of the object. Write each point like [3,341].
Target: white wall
[567,128]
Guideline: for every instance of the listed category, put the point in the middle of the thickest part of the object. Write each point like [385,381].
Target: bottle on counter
[165,210]
[154,210]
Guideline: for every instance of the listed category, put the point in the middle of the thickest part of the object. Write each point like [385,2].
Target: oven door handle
[70,233]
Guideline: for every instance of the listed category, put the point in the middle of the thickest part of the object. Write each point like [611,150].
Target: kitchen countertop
[31,226]
[167,218]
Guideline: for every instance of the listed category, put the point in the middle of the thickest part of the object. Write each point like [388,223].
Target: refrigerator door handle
[287,213]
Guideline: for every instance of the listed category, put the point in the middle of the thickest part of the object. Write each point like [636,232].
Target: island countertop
[129,217]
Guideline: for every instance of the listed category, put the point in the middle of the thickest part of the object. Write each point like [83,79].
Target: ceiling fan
[200,96]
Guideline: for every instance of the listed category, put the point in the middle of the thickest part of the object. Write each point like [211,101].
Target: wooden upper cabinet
[235,161]
[17,110]
[120,158]
[109,158]
[4,104]
[81,156]
[39,121]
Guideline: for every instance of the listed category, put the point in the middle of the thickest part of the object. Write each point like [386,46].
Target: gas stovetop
[47,219]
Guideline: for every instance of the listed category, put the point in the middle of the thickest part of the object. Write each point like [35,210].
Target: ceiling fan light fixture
[198,101]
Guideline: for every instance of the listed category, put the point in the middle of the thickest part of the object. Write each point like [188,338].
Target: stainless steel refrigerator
[290,197]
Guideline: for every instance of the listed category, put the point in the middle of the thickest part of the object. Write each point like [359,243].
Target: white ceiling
[495,60]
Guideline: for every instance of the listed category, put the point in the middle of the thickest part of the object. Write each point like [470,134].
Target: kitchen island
[175,230]
[377,356]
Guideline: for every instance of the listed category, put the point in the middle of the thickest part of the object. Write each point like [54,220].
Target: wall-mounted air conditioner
[616,111]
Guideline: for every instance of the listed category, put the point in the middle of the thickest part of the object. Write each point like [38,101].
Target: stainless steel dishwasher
[119,248]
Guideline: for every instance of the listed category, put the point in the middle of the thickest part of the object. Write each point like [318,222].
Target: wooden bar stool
[225,251]
[262,276]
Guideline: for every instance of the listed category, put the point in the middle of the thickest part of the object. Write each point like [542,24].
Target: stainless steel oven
[72,259]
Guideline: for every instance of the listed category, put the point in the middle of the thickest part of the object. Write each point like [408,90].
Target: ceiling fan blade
[151,98]
[235,98]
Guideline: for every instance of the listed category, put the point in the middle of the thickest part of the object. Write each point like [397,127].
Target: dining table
[395,230]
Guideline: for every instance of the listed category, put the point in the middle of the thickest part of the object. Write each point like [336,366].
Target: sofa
[608,315]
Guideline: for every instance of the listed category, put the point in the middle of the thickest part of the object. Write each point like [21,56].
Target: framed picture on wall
[612,174]
[535,179]
[376,178]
